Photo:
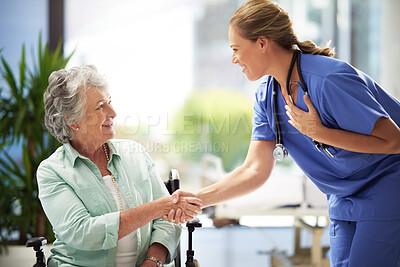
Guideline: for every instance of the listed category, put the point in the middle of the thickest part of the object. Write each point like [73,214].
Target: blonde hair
[257,18]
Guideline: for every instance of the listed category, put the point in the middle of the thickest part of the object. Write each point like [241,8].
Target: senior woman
[103,197]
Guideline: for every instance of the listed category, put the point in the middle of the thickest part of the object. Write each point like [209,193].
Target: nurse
[343,134]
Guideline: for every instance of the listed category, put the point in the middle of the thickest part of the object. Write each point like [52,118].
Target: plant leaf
[9,77]
[22,72]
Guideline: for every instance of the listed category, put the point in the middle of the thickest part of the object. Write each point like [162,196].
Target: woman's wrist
[155,261]
[164,204]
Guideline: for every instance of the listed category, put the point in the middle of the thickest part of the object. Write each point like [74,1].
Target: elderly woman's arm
[74,224]
[165,236]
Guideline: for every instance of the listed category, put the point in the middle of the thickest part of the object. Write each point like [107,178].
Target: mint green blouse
[83,212]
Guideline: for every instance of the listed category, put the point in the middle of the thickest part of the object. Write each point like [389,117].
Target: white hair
[65,98]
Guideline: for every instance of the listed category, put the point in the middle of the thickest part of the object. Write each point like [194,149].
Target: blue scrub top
[359,186]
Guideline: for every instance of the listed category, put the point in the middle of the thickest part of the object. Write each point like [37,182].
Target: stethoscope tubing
[295,58]
[280,152]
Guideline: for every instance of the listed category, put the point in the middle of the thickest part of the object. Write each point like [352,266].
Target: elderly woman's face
[97,124]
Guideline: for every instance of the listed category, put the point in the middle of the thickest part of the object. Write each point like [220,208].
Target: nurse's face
[247,54]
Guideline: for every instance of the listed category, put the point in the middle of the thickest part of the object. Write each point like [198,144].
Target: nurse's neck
[280,67]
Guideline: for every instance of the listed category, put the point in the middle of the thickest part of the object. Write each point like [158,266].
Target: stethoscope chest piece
[280,153]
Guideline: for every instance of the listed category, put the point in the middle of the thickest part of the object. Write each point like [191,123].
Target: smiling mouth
[108,125]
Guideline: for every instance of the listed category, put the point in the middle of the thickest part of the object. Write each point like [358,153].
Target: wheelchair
[173,183]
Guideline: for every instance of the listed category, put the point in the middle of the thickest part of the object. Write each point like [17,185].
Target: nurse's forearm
[384,138]
[240,182]
[254,172]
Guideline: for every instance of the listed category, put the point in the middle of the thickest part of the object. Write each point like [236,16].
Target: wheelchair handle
[38,244]
[174,180]
[174,174]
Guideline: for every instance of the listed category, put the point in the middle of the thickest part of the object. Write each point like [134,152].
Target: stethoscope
[280,152]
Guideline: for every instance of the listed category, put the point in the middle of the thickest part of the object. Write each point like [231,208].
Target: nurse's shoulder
[324,66]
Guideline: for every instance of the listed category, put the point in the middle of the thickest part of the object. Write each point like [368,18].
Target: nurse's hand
[308,123]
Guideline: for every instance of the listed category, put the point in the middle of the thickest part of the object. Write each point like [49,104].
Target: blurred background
[176,92]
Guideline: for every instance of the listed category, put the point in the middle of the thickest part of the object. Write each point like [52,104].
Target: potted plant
[21,125]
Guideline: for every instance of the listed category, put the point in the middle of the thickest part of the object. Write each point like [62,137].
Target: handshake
[182,207]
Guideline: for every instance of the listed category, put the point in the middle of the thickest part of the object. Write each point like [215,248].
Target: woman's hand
[188,207]
[308,123]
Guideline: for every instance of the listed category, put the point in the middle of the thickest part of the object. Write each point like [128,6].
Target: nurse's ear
[263,43]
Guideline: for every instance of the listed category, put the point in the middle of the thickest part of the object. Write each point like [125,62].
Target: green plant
[216,122]
[21,124]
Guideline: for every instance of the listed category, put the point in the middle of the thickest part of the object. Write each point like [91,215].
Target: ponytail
[309,47]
